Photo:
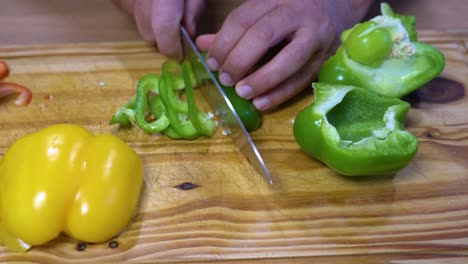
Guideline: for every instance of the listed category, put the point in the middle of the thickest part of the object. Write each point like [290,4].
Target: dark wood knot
[431,133]
[439,90]
[186,186]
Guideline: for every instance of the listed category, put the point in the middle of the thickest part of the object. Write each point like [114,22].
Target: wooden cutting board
[310,213]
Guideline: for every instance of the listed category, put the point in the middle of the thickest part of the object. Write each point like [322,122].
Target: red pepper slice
[3,70]
[7,88]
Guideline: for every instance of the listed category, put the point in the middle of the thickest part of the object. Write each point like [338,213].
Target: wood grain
[310,213]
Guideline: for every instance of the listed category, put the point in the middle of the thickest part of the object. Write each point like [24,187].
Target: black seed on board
[439,90]
[81,246]
[113,244]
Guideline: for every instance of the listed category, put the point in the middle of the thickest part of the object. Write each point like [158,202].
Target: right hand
[160,20]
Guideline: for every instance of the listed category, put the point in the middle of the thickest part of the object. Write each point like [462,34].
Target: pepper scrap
[355,132]
[8,88]
[383,55]
[65,179]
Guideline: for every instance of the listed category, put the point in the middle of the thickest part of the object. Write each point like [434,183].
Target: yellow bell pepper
[65,179]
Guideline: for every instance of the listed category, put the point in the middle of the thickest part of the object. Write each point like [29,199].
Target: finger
[165,21]
[286,63]
[125,5]
[193,10]
[235,26]
[290,87]
[204,41]
[142,16]
[257,40]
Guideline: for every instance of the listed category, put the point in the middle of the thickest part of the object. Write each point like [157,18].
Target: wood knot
[439,90]
[186,186]
[431,133]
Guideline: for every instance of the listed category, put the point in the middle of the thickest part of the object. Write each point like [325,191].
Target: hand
[311,29]
[160,20]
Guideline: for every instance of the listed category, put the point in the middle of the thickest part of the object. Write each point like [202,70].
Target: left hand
[311,29]
[160,20]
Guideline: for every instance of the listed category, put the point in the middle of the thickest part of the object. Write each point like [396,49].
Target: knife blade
[217,99]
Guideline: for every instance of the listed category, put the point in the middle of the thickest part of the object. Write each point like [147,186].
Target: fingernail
[225,79]
[244,91]
[212,63]
[262,103]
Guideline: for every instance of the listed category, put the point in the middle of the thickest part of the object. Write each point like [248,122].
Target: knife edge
[238,132]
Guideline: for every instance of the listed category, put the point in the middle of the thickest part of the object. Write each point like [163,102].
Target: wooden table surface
[89,56]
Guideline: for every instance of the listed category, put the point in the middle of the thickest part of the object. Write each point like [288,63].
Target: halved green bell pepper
[383,55]
[355,132]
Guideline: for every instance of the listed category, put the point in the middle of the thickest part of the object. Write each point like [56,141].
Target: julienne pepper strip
[178,117]
[383,55]
[147,84]
[201,120]
[356,123]
[8,88]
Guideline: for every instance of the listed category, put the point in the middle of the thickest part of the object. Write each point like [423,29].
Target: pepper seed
[81,246]
[113,244]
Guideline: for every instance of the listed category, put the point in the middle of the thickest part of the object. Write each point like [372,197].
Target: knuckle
[265,80]
[328,31]
[161,25]
[297,53]
[239,19]
[264,33]
[235,65]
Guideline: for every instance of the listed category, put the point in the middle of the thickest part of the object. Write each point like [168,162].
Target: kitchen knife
[217,99]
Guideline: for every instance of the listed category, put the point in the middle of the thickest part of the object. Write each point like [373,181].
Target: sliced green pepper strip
[125,115]
[355,131]
[177,85]
[157,109]
[200,120]
[178,118]
[147,84]
[383,55]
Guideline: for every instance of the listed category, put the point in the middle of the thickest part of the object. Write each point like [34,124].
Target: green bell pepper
[383,55]
[250,116]
[354,131]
